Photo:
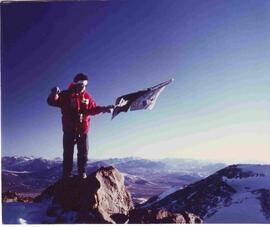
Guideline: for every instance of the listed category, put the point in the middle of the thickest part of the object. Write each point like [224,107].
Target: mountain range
[215,193]
[29,176]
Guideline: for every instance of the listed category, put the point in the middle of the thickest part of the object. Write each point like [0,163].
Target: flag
[144,99]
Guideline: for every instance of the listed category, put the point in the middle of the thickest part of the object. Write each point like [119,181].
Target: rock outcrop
[93,199]
[101,198]
[11,197]
[147,216]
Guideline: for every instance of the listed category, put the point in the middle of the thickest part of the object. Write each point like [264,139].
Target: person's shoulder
[87,95]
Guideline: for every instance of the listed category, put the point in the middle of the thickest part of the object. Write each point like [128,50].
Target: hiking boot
[82,175]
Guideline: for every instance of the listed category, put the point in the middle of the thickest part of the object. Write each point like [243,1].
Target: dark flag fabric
[144,99]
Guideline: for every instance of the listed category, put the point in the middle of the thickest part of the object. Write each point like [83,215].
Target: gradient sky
[218,51]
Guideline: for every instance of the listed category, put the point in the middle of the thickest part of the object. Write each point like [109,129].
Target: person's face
[80,87]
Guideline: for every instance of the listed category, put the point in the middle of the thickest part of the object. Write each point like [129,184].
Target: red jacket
[76,110]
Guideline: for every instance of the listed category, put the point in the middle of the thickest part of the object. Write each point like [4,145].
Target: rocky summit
[100,198]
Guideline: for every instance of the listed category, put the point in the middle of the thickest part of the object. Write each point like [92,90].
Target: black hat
[80,76]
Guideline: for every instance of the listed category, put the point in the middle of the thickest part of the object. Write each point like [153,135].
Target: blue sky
[217,51]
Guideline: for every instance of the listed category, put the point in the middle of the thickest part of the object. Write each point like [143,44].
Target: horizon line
[144,158]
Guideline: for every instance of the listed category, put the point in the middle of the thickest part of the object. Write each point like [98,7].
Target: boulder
[94,199]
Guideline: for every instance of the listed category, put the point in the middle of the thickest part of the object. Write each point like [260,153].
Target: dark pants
[69,141]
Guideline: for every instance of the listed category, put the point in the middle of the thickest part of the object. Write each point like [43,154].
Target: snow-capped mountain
[235,194]
[17,163]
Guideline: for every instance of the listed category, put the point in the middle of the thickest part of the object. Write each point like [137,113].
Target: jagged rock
[10,196]
[147,216]
[94,199]
[112,195]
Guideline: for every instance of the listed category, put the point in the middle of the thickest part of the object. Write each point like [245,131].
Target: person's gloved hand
[55,90]
[108,109]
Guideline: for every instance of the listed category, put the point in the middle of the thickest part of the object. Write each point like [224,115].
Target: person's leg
[82,145]
[68,144]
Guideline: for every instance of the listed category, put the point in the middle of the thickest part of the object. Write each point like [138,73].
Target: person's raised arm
[54,97]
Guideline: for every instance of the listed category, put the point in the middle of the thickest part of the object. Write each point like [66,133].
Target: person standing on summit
[76,106]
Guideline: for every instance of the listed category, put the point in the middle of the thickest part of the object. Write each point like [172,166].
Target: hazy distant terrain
[144,178]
